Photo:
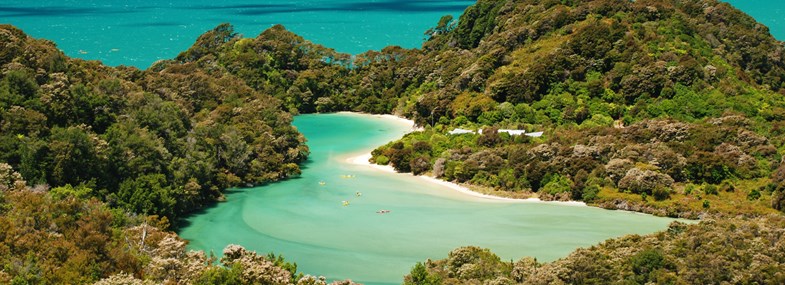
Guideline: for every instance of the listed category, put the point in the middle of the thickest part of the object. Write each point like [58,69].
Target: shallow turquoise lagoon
[307,222]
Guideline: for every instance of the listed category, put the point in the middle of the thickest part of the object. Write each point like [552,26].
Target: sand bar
[363,160]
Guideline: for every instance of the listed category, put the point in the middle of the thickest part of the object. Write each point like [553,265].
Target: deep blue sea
[139,32]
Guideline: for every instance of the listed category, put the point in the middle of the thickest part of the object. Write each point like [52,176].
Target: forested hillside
[664,106]
[671,107]
[667,107]
[162,142]
[96,163]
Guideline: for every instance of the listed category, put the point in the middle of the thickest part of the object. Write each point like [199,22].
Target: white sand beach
[363,159]
[397,119]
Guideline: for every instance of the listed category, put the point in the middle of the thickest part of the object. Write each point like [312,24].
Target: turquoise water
[769,12]
[300,218]
[307,222]
[139,32]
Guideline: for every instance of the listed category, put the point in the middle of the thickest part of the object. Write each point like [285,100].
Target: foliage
[729,250]
[647,97]
[419,275]
[164,142]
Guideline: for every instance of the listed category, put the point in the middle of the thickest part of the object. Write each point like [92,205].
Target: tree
[75,155]
[149,194]
[420,165]
[640,181]
[419,276]
[10,179]
[646,263]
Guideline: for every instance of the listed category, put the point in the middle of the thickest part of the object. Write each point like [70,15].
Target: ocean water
[768,12]
[139,32]
[308,223]
[299,218]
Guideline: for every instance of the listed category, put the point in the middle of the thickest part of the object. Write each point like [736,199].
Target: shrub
[753,195]
[661,193]
[710,189]
[590,193]
[382,160]
[644,181]
[557,184]
[420,165]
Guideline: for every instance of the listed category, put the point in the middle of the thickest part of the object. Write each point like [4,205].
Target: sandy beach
[397,119]
[363,160]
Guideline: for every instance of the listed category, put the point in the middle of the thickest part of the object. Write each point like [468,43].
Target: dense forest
[667,107]
[670,107]
[160,142]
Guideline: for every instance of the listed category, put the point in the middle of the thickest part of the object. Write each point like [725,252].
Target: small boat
[322,183]
[382,211]
[358,194]
[346,176]
[345,203]
[82,52]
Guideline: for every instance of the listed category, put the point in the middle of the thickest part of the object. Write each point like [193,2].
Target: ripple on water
[307,223]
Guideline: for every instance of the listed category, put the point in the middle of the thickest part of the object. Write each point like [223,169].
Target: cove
[305,220]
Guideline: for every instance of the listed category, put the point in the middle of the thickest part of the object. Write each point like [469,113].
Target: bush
[644,181]
[382,160]
[778,199]
[419,276]
[420,165]
[557,184]
[661,193]
[753,195]
[590,193]
[711,189]
[646,263]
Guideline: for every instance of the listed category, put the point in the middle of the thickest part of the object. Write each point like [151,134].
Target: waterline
[306,221]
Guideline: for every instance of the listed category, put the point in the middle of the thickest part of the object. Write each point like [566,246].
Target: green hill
[671,107]
[181,135]
[687,94]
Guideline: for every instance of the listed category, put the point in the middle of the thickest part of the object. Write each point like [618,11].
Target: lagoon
[307,223]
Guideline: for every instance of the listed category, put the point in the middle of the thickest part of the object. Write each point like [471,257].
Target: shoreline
[362,160]
[398,119]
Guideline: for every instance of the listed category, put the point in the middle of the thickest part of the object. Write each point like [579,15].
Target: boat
[382,211]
